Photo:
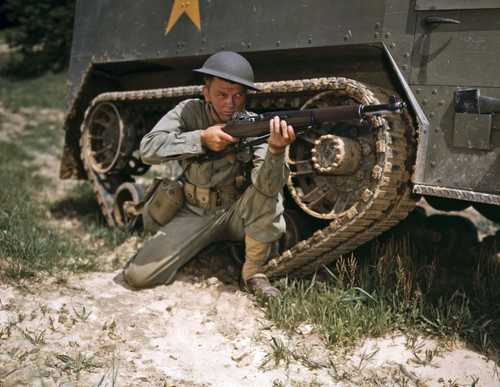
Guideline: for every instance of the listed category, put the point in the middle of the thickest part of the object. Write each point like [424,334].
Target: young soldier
[217,205]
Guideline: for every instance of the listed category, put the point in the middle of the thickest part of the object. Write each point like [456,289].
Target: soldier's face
[226,97]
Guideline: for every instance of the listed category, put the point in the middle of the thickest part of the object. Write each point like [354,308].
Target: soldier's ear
[205,93]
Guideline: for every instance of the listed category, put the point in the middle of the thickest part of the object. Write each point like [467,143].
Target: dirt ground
[92,330]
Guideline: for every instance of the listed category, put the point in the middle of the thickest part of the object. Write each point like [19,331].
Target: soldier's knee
[136,278]
[147,276]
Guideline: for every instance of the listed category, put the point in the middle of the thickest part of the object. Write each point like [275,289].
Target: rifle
[253,129]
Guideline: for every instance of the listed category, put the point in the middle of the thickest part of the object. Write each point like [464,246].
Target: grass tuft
[75,365]
[386,290]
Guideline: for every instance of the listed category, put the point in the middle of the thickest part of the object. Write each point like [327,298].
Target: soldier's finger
[277,125]
[284,131]
[227,137]
[291,133]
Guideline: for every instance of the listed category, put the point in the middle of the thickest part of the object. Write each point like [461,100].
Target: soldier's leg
[171,247]
[259,220]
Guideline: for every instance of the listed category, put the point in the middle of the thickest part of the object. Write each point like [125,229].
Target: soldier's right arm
[171,138]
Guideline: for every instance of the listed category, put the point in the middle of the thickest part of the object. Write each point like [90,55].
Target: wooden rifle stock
[244,125]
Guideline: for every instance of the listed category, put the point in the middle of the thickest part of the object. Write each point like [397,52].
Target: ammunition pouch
[165,201]
[210,198]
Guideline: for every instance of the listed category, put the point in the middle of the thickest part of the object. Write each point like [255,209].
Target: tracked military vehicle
[132,61]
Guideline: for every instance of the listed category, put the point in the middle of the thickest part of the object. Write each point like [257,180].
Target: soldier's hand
[282,135]
[215,139]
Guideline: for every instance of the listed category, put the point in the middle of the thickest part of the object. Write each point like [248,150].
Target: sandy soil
[83,330]
[91,330]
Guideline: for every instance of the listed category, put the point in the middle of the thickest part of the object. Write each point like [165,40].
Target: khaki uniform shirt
[178,134]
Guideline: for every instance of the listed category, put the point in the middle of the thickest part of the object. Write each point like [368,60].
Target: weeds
[365,358]
[429,355]
[27,243]
[279,353]
[82,313]
[112,372]
[387,290]
[35,338]
[77,364]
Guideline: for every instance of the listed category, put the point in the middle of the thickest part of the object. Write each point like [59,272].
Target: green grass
[389,290]
[81,202]
[48,91]
[27,244]
[41,137]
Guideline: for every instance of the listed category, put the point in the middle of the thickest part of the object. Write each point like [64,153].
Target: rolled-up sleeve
[170,139]
[270,172]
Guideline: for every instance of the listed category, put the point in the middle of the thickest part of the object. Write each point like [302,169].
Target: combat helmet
[230,66]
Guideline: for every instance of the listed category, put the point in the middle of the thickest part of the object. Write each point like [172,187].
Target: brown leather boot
[259,284]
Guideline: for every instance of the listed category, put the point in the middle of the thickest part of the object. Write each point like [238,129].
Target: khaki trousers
[253,214]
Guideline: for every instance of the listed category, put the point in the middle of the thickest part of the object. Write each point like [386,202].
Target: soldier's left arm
[270,172]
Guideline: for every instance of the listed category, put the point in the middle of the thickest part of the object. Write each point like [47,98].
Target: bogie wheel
[127,196]
[109,139]
[109,136]
[103,137]
[332,166]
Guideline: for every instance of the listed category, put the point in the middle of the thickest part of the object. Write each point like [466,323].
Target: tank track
[387,201]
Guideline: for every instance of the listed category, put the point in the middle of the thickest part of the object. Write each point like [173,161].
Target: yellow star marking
[190,7]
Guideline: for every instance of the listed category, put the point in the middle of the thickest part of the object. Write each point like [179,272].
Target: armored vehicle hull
[132,62]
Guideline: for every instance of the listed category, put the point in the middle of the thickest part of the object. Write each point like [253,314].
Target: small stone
[305,329]
[237,357]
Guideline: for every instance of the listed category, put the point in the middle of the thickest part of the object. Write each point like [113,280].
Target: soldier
[220,203]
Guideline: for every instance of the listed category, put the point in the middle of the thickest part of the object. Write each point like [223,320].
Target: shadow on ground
[82,206]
